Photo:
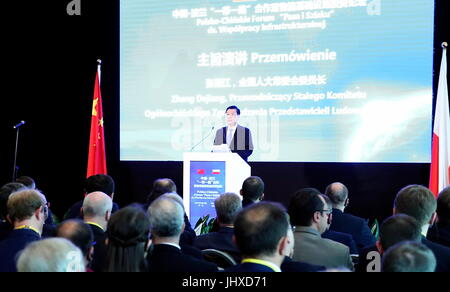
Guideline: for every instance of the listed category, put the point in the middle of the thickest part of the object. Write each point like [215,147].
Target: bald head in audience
[97,208]
[338,194]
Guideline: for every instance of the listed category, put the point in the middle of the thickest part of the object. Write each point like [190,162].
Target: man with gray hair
[408,256]
[97,207]
[347,223]
[227,206]
[27,211]
[51,255]
[167,223]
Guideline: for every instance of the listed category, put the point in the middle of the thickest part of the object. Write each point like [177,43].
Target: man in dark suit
[347,223]
[97,208]
[238,138]
[393,230]
[28,212]
[95,183]
[261,234]
[227,207]
[440,232]
[419,202]
[409,257]
[167,221]
[252,191]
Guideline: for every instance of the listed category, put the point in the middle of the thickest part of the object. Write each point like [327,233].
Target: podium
[208,175]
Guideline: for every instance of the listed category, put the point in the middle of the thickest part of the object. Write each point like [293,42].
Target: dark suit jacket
[289,266]
[16,241]
[442,254]
[249,267]
[241,144]
[439,234]
[355,226]
[74,211]
[5,230]
[344,238]
[100,249]
[167,258]
[221,240]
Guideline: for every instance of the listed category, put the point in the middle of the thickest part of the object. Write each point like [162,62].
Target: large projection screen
[316,81]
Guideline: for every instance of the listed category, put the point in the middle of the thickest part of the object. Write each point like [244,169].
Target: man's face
[324,215]
[232,117]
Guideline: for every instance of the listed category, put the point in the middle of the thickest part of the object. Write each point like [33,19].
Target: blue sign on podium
[207,181]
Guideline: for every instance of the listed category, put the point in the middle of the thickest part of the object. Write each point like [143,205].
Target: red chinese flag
[440,158]
[97,155]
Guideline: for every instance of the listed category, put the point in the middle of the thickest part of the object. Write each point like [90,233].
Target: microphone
[212,129]
[19,124]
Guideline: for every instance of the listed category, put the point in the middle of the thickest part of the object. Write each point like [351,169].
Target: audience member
[310,214]
[291,266]
[440,232]
[96,211]
[51,255]
[167,224]
[27,211]
[5,191]
[163,186]
[347,223]
[252,191]
[227,207]
[261,234]
[128,240]
[160,187]
[420,203]
[408,256]
[27,181]
[344,238]
[95,183]
[80,234]
[393,230]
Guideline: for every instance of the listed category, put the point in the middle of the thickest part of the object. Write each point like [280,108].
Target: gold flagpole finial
[444,45]
[99,61]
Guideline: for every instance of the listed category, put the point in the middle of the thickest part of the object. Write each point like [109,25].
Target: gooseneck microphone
[19,124]
[209,133]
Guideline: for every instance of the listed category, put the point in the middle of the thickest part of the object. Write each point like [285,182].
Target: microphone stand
[212,129]
[15,169]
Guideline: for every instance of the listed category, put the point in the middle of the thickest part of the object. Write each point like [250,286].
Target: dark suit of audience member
[353,225]
[439,234]
[16,241]
[247,202]
[168,258]
[221,240]
[442,254]
[347,223]
[344,238]
[5,230]
[100,248]
[289,265]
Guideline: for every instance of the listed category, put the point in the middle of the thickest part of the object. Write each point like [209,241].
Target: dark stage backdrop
[49,64]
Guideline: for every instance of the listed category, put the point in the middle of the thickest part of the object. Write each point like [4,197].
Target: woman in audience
[128,239]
